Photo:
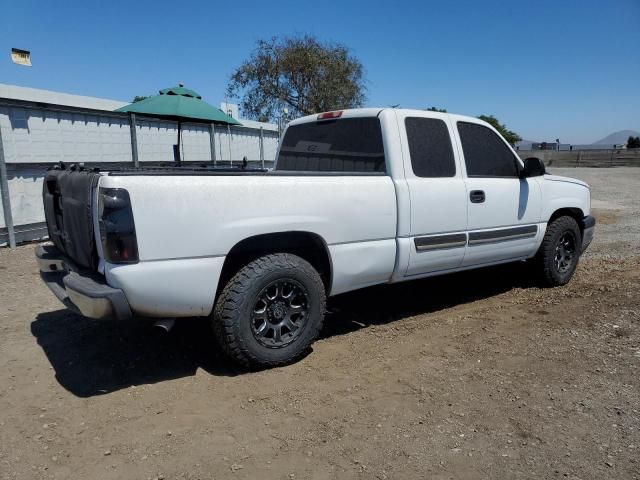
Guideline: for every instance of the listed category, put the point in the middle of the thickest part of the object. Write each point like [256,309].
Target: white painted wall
[34,135]
[195,142]
[155,140]
[25,193]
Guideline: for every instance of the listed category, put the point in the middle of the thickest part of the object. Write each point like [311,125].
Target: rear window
[349,145]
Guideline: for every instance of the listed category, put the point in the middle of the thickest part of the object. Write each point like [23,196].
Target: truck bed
[190,170]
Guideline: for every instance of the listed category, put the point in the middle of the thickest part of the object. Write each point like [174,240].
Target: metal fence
[586,158]
[34,136]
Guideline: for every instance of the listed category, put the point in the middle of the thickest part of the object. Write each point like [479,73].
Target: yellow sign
[21,57]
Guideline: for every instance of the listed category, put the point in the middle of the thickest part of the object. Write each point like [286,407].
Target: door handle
[476,196]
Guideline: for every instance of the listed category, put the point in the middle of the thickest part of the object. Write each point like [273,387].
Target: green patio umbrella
[179,104]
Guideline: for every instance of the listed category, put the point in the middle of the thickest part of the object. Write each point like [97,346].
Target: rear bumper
[588,229]
[87,294]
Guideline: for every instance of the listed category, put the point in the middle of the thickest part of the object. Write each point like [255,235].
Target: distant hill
[618,138]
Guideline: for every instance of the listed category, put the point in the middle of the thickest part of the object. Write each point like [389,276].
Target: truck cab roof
[375,112]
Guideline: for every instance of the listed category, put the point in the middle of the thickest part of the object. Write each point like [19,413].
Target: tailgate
[68,201]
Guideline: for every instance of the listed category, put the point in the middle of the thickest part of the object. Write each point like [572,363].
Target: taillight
[117,229]
[330,115]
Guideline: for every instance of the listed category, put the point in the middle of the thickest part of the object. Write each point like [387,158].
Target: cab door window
[485,153]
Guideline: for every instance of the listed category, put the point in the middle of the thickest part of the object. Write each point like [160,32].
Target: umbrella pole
[177,153]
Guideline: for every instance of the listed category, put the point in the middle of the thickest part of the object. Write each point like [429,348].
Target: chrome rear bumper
[87,294]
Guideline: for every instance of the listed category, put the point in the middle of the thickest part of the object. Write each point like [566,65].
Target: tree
[633,142]
[436,109]
[302,74]
[138,98]
[509,135]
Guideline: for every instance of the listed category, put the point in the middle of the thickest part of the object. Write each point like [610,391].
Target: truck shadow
[383,304]
[93,358]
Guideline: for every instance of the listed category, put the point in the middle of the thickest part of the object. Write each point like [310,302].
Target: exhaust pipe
[165,324]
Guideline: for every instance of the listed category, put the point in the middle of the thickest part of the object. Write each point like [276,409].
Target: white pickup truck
[357,198]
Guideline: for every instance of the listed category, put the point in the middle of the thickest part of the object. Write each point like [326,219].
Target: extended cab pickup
[357,198]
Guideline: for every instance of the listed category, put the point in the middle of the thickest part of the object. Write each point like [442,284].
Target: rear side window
[485,154]
[430,147]
[343,145]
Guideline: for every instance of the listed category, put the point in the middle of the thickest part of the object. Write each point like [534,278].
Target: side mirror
[533,167]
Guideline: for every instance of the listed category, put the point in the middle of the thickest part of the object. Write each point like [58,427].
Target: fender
[564,193]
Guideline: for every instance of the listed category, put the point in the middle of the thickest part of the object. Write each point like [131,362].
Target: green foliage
[509,135]
[300,73]
[633,142]
[436,109]
[138,98]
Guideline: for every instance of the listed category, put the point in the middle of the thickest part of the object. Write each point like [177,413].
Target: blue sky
[563,68]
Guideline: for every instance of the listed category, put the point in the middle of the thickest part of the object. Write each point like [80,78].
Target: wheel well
[309,246]
[574,213]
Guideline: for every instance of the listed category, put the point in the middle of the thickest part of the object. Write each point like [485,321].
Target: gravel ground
[615,201]
[418,380]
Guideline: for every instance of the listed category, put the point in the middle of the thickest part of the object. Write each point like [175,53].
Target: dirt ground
[475,375]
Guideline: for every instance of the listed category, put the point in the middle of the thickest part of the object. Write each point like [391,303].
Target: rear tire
[559,253]
[270,312]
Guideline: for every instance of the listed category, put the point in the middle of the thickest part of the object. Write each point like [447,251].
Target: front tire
[559,253]
[270,312]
